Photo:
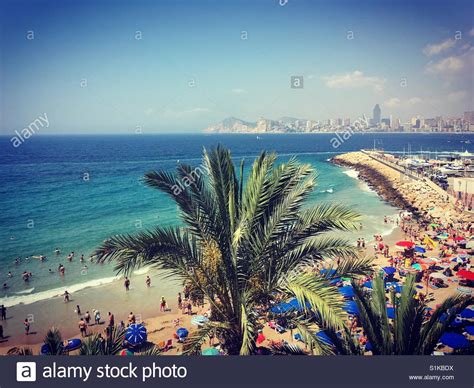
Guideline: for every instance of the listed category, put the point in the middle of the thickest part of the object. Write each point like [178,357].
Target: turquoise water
[74,192]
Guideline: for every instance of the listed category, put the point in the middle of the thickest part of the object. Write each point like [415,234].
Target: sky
[181,65]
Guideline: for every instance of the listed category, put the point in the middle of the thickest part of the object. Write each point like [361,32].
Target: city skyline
[166,67]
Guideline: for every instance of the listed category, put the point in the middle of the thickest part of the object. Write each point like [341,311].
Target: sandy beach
[143,301]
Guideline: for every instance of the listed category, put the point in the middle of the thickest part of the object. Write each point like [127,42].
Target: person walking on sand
[163,304]
[127,284]
[111,320]
[148,281]
[26,325]
[78,310]
[97,317]
[83,327]
[66,296]
[180,301]
[87,317]
[3,312]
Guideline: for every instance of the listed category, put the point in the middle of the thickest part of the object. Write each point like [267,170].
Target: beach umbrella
[396,287]
[210,352]
[126,352]
[324,338]
[470,244]
[457,260]
[182,332]
[420,249]
[454,340]
[389,270]
[199,320]
[469,330]
[465,274]
[136,334]
[467,313]
[346,291]
[407,244]
[434,225]
[368,284]
[459,238]
[391,312]
[442,236]
[327,272]
[351,307]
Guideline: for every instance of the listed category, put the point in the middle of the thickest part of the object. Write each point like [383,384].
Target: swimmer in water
[57,251]
[10,274]
[82,258]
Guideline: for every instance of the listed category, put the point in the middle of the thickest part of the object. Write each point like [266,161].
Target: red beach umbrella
[459,238]
[407,244]
[465,274]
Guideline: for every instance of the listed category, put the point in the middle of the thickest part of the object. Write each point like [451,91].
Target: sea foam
[13,300]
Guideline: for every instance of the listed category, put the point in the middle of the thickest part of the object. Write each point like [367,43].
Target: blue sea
[72,192]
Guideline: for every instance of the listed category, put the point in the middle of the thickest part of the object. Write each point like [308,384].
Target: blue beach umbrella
[469,330]
[389,270]
[391,312]
[182,332]
[368,284]
[324,338]
[284,307]
[327,272]
[346,291]
[467,313]
[396,287]
[420,249]
[136,334]
[351,307]
[454,340]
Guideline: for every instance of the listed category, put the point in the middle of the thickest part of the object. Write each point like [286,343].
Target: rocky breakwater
[394,186]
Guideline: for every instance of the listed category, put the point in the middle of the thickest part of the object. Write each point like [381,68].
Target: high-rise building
[376,114]
[395,124]
[469,117]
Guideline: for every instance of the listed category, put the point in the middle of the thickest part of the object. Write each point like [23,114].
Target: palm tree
[95,345]
[245,247]
[410,332]
[54,342]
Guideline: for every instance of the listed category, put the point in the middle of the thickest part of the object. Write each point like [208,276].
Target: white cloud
[356,79]
[396,102]
[239,91]
[457,96]
[448,65]
[414,100]
[471,32]
[392,102]
[437,48]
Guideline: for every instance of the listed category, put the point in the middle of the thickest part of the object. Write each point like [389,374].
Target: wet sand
[142,300]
